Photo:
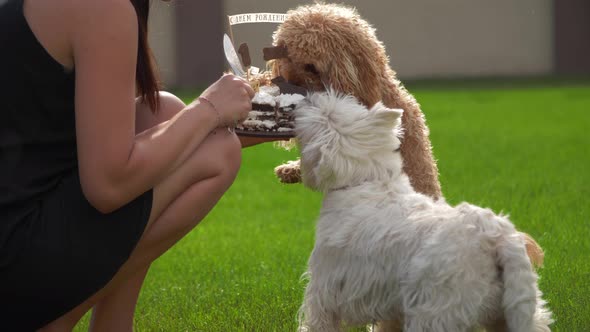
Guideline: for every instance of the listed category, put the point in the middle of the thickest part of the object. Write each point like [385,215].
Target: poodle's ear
[355,75]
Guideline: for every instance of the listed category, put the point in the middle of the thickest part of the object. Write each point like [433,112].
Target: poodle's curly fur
[332,45]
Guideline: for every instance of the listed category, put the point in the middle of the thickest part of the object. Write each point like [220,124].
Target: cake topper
[276,52]
[244,53]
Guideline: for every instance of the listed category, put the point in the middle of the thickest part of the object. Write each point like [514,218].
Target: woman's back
[37,133]
[82,173]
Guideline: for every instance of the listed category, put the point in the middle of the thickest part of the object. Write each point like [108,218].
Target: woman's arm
[116,165]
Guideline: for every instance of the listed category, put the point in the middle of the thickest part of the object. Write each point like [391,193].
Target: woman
[94,183]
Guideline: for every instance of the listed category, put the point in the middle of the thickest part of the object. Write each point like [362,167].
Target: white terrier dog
[385,252]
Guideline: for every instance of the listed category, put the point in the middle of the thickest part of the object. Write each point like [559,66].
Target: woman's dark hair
[148,83]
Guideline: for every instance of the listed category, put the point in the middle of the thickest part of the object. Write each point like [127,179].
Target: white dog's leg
[421,324]
[315,317]
[317,321]
[440,295]
[434,315]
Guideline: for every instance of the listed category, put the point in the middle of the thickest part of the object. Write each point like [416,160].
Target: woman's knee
[170,103]
[146,118]
[228,157]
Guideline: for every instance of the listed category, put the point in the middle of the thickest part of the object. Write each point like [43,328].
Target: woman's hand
[231,97]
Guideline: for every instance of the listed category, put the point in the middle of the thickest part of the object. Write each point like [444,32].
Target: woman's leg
[118,306]
[180,202]
[177,219]
[115,311]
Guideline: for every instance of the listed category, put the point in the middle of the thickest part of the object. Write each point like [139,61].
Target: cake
[275,98]
[272,111]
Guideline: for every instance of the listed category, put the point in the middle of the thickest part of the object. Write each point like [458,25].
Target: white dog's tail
[521,294]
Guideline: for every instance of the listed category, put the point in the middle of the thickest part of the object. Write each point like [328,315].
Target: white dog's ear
[320,123]
[386,117]
[342,141]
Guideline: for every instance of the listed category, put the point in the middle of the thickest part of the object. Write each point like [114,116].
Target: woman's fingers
[232,96]
[250,90]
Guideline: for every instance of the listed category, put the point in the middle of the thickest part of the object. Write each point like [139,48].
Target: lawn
[522,149]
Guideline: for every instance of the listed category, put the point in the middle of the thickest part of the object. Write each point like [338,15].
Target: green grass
[523,150]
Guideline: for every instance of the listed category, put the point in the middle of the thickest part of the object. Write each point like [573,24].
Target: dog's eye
[310,69]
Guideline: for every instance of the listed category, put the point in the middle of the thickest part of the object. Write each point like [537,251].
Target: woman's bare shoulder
[104,11]
[59,23]
[74,10]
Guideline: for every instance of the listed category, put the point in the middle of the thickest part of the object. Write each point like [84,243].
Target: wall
[162,36]
[427,38]
[186,37]
[572,37]
[424,38]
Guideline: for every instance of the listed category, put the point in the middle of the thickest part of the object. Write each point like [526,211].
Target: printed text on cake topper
[256,18]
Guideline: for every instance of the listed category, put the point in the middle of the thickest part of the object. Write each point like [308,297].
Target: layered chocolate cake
[272,112]
[275,99]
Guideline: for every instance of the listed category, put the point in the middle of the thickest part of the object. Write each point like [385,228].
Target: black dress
[56,250]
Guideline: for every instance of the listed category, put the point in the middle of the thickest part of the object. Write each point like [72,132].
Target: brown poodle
[331,45]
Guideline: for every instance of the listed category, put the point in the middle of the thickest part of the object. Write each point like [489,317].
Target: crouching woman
[100,173]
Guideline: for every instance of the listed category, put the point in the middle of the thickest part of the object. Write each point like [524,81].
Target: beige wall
[162,35]
[427,38]
[424,38]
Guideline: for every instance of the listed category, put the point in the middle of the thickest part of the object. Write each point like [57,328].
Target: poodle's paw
[289,172]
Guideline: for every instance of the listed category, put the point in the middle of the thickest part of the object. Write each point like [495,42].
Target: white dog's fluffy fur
[385,252]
